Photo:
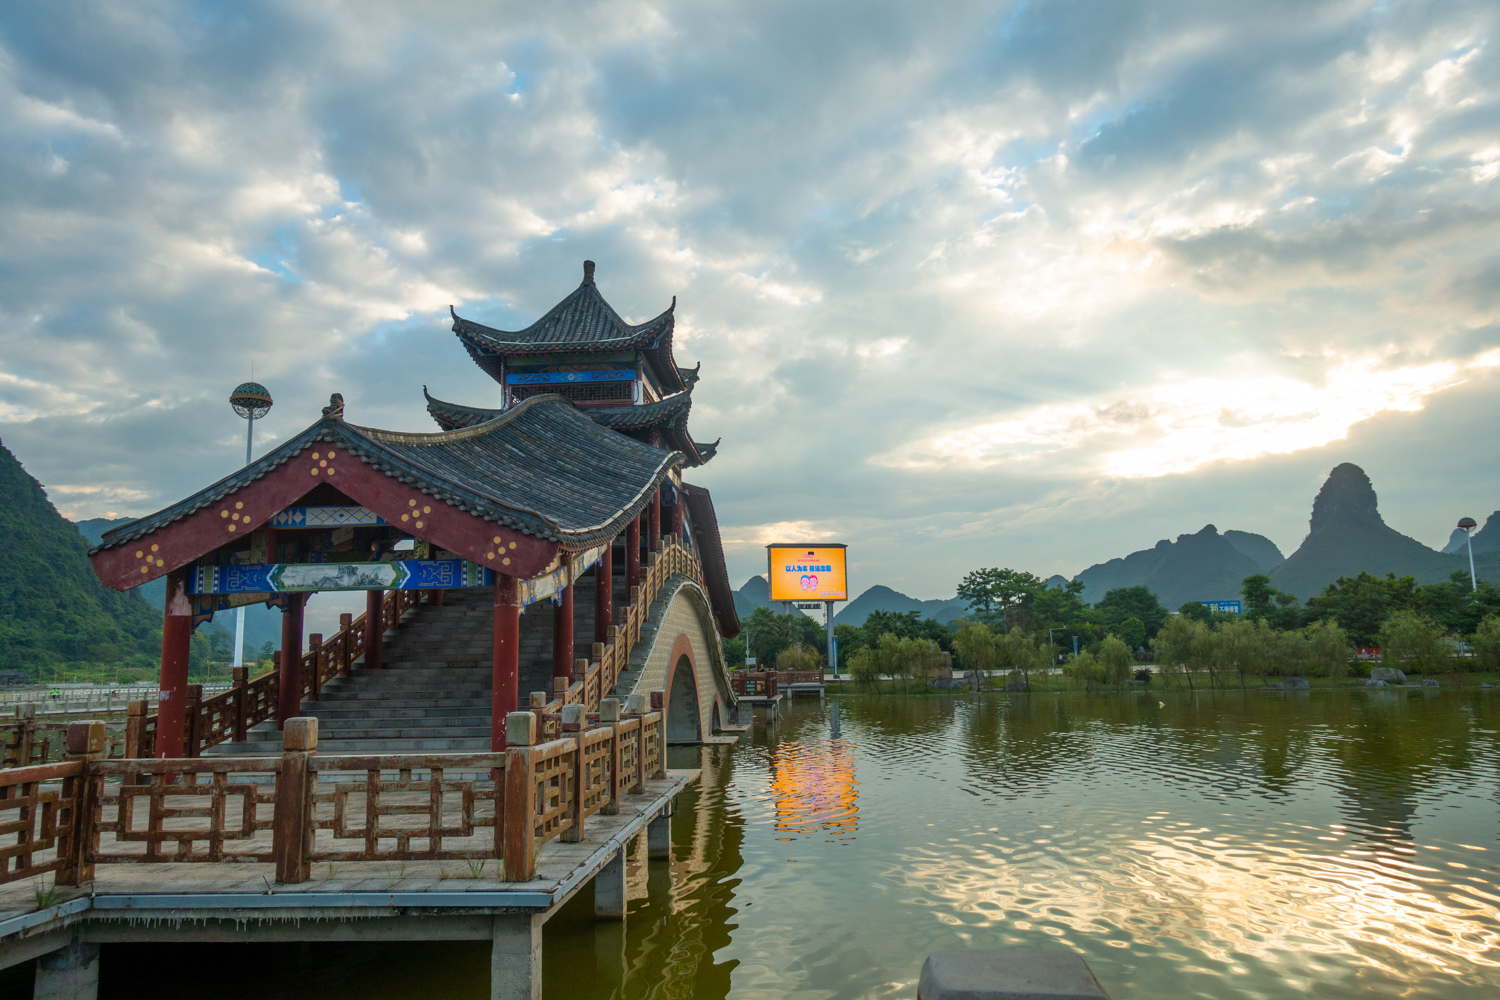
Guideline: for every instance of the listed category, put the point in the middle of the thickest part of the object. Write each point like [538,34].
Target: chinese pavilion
[471,543]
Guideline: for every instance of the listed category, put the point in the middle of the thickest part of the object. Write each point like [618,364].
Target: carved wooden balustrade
[302,808]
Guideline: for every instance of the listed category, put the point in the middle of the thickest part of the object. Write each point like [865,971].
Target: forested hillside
[52,608]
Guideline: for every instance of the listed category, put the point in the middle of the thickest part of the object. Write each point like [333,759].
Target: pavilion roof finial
[588,272]
[335,407]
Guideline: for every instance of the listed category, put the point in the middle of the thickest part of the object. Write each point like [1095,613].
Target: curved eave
[373,446]
[541,338]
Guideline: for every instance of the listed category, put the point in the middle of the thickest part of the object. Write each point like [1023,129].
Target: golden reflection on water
[815,788]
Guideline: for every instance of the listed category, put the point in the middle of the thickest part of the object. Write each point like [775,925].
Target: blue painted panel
[547,378]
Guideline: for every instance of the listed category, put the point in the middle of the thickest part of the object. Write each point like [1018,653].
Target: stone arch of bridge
[684,707]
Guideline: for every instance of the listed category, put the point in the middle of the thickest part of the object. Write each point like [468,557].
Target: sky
[973,284]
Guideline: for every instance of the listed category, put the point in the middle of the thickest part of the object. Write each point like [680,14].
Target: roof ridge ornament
[588,272]
[335,408]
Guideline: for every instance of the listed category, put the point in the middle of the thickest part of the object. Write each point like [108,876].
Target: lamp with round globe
[1467,526]
[252,401]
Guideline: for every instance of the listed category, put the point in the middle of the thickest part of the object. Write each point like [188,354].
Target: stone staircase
[432,693]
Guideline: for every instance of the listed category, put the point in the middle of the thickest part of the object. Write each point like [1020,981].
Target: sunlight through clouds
[1177,427]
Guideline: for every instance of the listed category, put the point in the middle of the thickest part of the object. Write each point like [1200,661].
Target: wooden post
[135,730]
[346,647]
[677,529]
[654,537]
[241,681]
[374,628]
[604,593]
[659,706]
[520,818]
[320,659]
[435,598]
[192,731]
[87,742]
[573,726]
[289,702]
[609,715]
[292,833]
[176,643]
[505,663]
[562,630]
[633,555]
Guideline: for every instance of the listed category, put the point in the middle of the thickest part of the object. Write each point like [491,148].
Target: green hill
[1347,536]
[53,609]
[882,598]
[1206,566]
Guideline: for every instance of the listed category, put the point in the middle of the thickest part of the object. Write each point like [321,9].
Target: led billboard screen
[807,573]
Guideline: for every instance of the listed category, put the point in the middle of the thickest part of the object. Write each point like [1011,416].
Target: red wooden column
[506,663]
[677,515]
[632,555]
[654,538]
[176,643]
[604,594]
[435,598]
[562,629]
[374,628]
[289,697]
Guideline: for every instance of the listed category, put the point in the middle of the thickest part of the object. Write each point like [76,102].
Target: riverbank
[1058,682]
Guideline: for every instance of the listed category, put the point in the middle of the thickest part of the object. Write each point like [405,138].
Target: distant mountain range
[1347,535]
[1206,566]
[756,593]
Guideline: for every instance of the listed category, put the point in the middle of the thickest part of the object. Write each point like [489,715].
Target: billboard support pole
[833,651]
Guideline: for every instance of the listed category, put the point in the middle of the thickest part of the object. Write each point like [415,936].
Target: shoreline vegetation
[1057,681]
[1362,630]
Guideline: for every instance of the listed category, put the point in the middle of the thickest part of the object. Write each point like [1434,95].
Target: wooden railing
[301,808]
[754,683]
[599,675]
[229,715]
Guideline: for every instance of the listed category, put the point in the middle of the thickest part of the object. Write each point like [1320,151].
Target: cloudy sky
[1026,284]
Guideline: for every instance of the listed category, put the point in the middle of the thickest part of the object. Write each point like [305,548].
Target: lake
[1223,844]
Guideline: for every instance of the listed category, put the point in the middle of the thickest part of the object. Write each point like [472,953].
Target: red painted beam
[176,645]
[506,659]
[243,511]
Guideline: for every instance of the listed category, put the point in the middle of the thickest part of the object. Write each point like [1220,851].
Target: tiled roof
[711,558]
[669,414]
[581,322]
[542,468]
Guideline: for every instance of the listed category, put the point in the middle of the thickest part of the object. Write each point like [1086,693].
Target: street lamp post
[252,401]
[1467,526]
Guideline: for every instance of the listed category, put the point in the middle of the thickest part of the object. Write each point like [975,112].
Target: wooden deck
[231,890]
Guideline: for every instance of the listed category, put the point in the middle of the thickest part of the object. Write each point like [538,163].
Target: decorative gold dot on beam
[419,524]
[160,563]
[332,471]
[512,544]
[314,471]
[411,503]
[232,527]
[489,555]
[505,561]
[323,464]
[155,548]
[139,553]
[145,569]
[406,517]
[497,542]
[427,510]
[315,455]
[222,513]
[239,505]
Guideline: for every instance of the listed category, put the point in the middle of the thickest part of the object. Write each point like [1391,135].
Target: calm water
[1224,845]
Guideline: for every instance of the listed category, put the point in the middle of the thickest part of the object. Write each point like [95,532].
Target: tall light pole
[252,401]
[1467,526]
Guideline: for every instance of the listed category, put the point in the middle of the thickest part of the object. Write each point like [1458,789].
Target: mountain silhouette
[1347,536]
[1206,566]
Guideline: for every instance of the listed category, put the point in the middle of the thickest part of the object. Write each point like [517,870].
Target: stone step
[328,712]
[419,735]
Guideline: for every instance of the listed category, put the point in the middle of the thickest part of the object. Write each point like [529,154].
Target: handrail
[67,817]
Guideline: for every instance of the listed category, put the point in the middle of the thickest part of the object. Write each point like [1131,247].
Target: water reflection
[815,788]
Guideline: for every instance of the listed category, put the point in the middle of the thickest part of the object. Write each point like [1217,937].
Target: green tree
[801,657]
[1086,669]
[1361,604]
[1327,648]
[998,590]
[1413,643]
[1264,602]
[1173,646]
[734,652]
[1117,660]
[1132,631]
[864,667]
[1130,602]
[1487,645]
[923,658]
[975,645]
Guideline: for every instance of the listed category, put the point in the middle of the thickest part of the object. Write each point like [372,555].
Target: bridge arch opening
[684,721]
